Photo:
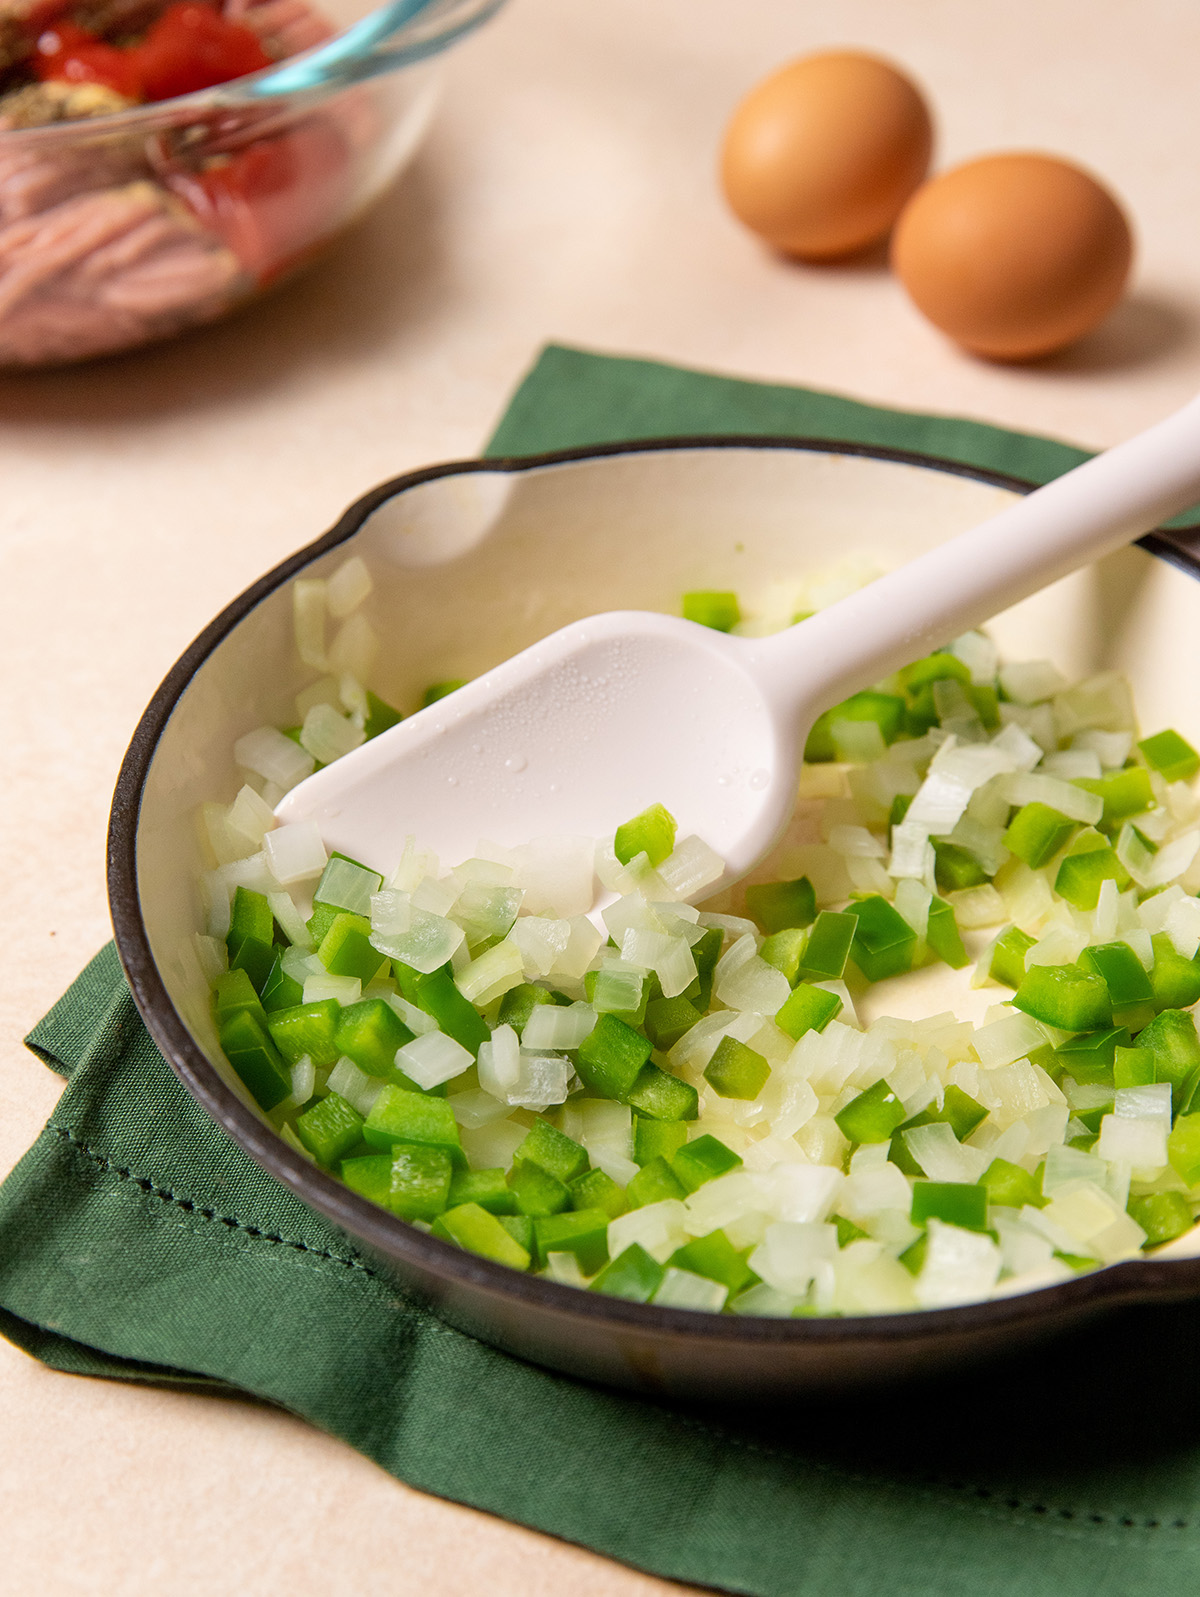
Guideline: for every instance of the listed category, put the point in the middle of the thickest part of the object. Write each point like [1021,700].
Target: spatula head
[575,735]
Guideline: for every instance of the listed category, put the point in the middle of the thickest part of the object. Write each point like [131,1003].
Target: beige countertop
[566,192]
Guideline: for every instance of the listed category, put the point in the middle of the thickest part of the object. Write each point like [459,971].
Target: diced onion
[326,735]
[552,1026]
[322,985]
[354,647]
[427,944]
[691,867]
[476,1108]
[683,1289]
[432,1059]
[1027,787]
[295,853]
[348,587]
[541,942]
[354,1085]
[266,752]
[657,1227]
[308,614]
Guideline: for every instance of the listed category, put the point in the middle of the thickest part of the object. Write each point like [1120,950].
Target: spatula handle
[1099,506]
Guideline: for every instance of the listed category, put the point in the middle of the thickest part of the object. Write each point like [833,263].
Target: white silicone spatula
[585,729]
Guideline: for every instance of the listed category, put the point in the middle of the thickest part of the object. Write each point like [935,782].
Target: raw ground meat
[104,270]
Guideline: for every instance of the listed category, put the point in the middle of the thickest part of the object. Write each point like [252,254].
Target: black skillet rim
[1136,1280]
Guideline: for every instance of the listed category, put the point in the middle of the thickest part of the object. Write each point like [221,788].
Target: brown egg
[821,156]
[1013,255]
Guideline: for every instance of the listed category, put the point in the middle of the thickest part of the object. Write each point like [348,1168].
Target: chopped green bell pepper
[736,1070]
[1174,980]
[254,1057]
[1089,862]
[1171,755]
[398,1115]
[668,1019]
[954,1202]
[535,1191]
[703,1159]
[234,991]
[784,950]
[1066,996]
[330,1129]
[782,906]
[597,1190]
[885,709]
[319,922]
[1125,793]
[553,1151]
[583,1232]
[519,1003]
[488,1188]
[380,717]
[940,666]
[706,952]
[651,833]
[610,1058]
[470,1226]
[633,1275]
[1037,832]
[250,937]
[712,608]
[346,950]
[943,936]
[420,1183]
[884,943]
[1171,1037]
[847,1231]
[955,868]
[1133,1067]
[369,1033]
[1008,956]
[828,948]
[436,994]
[1010,1185]
[1122,971]
[441,690]
[652,1138]
[307,1029]
[1162,1216]
[662,1096]
[807,1008]
[1089,1057]
[370,1175]
[871,1117]
[280,991]
[520,1229]
[1183,1148]
[654,1182]
[715,1258]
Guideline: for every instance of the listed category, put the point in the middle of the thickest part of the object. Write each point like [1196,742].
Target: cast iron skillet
[637,1346]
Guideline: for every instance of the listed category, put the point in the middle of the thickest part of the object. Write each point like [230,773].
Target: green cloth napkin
[137,1242]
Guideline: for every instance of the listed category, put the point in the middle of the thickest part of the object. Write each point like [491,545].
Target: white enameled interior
[470,568]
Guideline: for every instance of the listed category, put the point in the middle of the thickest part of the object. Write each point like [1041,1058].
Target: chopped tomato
[70,54]
[270,200]
[193,47]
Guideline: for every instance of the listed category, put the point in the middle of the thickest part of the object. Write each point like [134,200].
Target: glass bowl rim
[428,35]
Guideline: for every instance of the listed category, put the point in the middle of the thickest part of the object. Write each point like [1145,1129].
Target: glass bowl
[122,229]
